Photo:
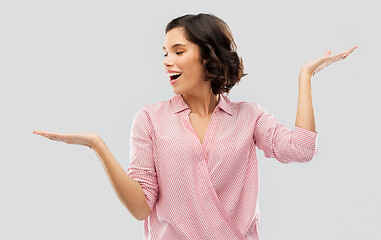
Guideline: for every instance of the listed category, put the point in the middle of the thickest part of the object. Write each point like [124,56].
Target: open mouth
[173,77]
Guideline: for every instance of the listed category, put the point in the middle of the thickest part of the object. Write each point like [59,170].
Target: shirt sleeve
[142,167]
[279,142]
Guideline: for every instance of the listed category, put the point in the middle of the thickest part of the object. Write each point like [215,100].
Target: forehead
[175,37]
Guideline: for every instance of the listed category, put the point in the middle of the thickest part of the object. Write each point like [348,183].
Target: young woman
[193,170]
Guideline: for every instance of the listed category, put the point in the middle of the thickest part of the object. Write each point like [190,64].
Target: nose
[168,62]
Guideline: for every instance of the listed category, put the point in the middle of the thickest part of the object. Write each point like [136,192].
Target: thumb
[327,52]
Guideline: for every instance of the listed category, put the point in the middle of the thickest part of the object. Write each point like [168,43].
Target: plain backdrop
[77,66]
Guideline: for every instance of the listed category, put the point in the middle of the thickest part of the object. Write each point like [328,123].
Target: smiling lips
[173,75]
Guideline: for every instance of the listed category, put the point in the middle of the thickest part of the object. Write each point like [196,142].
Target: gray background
[76,66]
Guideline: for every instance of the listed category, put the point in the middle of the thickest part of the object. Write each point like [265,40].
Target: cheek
[190,65]
[186,62]
[195,65]
[199,66]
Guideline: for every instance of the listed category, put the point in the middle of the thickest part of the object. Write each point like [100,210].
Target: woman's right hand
[88,139]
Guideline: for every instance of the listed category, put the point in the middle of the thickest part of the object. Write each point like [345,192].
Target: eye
[178,53]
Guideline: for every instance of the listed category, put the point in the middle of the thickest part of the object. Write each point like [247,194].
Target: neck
[202,104]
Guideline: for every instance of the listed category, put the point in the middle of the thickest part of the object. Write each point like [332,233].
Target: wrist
[305,72]
[305,75]
[96,143]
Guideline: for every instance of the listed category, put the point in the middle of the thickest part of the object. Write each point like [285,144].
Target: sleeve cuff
[305,137]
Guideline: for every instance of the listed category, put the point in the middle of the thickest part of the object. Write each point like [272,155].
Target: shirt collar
[179,104]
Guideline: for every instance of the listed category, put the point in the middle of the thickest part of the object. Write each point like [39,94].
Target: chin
[177,91]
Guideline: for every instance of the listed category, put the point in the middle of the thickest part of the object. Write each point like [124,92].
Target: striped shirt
[209,190]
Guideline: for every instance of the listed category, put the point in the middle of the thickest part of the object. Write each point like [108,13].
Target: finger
[352,49]
[329,62]
[332,59]
[58,137]
[335,58]
[345,54]
[52,137]
[43,133]
[46,133]
[325,64]
[49,135]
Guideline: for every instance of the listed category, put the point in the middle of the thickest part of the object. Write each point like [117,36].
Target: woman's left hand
[88,139]
[314,66]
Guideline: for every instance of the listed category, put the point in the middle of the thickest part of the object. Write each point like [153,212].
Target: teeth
[172,74]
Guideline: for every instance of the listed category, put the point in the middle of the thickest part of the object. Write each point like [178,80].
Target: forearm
[129,191]
[305,114]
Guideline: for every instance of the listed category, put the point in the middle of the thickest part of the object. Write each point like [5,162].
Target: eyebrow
[175,45]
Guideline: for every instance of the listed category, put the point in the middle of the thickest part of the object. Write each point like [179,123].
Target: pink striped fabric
[209,190]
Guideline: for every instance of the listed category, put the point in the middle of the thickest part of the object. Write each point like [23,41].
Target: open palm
[86,139]
[318,64]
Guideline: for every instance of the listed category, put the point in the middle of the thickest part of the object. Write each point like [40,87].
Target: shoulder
[154,110]
[149,115]
[246,107]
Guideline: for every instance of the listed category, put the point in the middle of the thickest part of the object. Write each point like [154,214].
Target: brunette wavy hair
[222,65]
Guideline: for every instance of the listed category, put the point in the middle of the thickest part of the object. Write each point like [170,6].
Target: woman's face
[183,56]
